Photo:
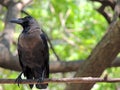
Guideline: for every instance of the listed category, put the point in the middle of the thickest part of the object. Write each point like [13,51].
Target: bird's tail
[29,75]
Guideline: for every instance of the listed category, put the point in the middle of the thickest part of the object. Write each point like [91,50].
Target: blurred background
[73,26]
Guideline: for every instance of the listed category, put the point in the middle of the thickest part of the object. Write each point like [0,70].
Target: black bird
[32,51]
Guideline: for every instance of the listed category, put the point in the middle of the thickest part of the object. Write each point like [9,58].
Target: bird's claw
[40,80]
[18,80]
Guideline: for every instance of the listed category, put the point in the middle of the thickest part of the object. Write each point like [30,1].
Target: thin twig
[51,46]
[63,80]
[23,11]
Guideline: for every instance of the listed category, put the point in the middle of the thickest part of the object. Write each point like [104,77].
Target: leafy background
[74,28]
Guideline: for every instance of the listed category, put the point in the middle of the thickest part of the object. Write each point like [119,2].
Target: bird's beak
[18,21]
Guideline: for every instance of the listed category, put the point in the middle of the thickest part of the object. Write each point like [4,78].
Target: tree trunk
[101,57]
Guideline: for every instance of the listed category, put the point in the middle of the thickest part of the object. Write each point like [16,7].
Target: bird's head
[24,22]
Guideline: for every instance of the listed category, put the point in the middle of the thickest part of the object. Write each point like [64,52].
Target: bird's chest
[28,41]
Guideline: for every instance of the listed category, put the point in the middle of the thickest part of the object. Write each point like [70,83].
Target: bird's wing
[45,46]
[42,71]
[46,51]
[41,55]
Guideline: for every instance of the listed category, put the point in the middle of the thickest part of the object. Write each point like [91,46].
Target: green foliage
[104,86]
[73,26]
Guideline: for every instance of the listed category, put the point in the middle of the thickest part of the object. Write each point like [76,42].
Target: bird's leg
[41,79]
[18,80]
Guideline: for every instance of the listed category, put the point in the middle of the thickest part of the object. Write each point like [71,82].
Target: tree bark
[13,11]
[12,63]
[101,57]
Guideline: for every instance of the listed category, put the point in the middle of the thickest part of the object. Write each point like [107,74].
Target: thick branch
[72,66]
[12,63]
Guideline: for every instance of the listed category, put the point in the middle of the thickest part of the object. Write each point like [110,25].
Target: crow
[33,51]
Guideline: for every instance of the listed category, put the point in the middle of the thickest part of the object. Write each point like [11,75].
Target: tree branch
[104,4]
[62,80]
[105,14]
[72,66]
[110,3]
[4,2]
[100,58]
[12,63]
[116,11]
